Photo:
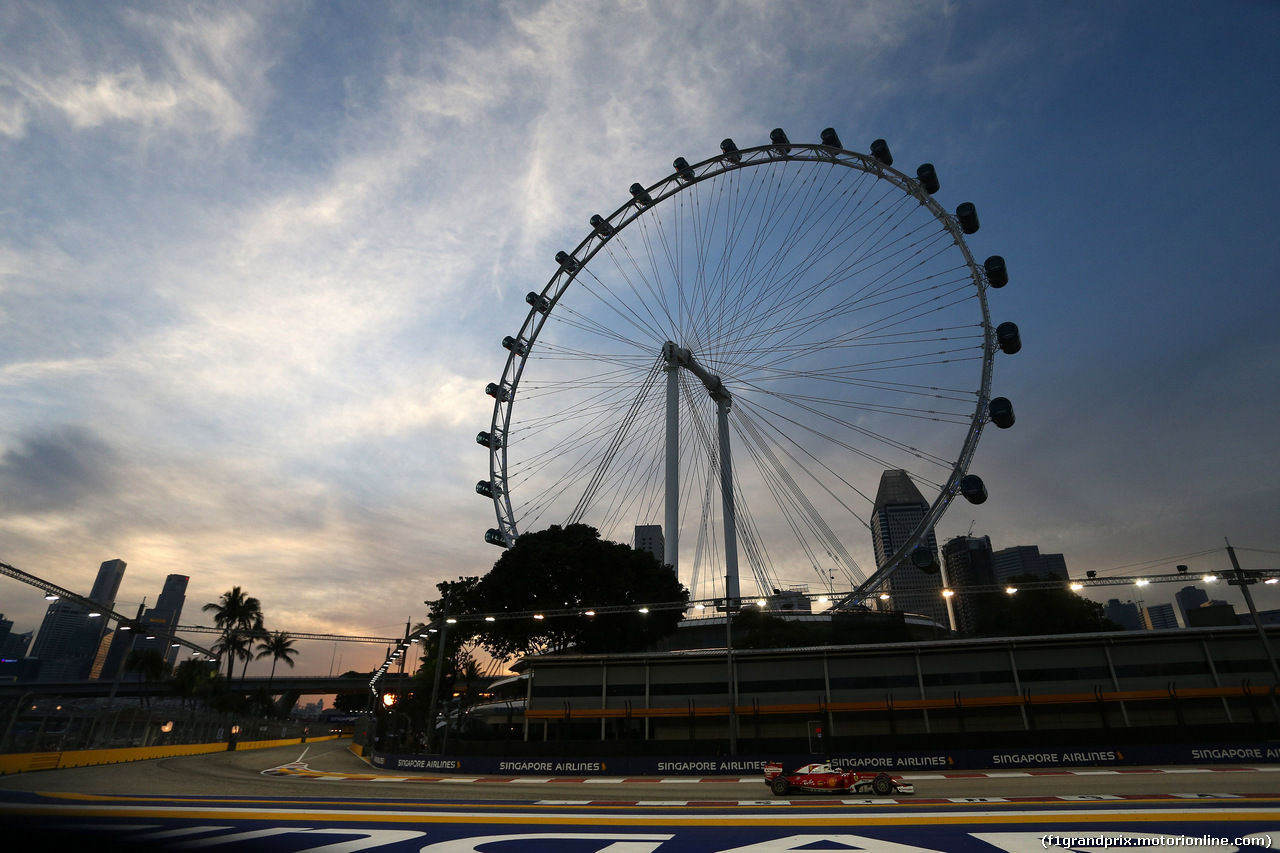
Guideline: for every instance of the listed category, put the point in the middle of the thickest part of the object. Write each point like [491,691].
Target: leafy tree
[278,647]
[191,680]
[567,568]
[350,703]
[236,610]
[1038,611]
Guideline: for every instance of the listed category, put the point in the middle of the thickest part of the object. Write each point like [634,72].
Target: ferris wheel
[738,353]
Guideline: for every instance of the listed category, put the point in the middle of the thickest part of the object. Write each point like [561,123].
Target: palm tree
[149,664]
[236,611]
[278,647]
[235,645]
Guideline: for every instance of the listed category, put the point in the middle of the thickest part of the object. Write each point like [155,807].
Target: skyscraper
[69,637]
[107,583]
[1027,560]
[164,617]
[649,538]
[1157,616]
[899,509]
[968,562]
[1189,597]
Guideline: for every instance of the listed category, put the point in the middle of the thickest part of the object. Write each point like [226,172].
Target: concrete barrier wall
[27,761]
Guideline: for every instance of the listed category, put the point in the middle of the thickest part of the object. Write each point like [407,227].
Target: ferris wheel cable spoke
[761,450]
[901,291]
[750,274]
[906,392]
[888,276]
[801,265]
[624,427]
[784,296]
[920,290]
[656,274]
[837,375]
[863,431]
[903,447]
[608,298]
[598,329]
[800,400]
[909,390]
[764,359]
[785,436]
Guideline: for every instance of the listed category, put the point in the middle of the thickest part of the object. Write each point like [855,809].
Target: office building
[968,562]
[1189,597]
[107,583]
[649,538]
[64,644]
[899,509]
[1158,616]
[70,635]
[1022,560]
[13,646]
[1123,613]
[164,618]
[1210,614]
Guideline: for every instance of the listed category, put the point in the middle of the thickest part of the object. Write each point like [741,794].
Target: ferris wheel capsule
[922,559]
[601,225]
[973,489]
[730,151]
[830,138]
[928,178]
[967,215]
[1008,338]
[1001,411]
[880,150]
[567,261]
[683,171]
[997,275]
[781,144]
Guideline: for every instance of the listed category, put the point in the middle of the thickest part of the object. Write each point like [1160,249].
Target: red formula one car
[824,778]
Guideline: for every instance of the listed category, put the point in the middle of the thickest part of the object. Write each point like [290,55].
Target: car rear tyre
[779,786]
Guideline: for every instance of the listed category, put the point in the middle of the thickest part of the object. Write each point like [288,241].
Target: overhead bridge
[299,685]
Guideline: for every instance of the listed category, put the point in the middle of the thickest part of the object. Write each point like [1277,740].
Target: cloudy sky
[256,260]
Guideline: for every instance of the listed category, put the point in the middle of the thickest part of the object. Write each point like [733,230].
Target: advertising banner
[1263,752]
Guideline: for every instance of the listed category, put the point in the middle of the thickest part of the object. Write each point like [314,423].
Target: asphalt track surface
[321,797]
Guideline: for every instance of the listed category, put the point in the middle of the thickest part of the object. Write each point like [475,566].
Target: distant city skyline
[258,261]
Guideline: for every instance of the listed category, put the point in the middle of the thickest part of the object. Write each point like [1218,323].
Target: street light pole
[435,682]
[1244,581]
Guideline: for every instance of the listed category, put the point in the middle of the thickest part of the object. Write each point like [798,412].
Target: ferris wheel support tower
[677,357]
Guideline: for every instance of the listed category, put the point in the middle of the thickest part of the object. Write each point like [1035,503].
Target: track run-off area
[322,797]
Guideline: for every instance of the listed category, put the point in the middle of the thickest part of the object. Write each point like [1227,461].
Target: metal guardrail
[60,725]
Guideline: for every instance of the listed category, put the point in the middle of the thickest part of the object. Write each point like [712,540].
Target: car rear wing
[772,770]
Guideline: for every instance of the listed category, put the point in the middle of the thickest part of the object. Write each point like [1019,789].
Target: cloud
[55,471]
[191,70]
